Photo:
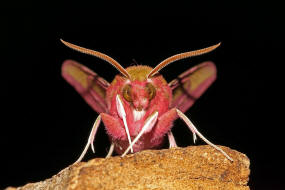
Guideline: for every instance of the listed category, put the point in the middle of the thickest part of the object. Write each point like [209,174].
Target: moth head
[139,94]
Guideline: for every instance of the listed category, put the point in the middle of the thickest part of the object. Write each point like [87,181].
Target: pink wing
[190,85]
[87,83]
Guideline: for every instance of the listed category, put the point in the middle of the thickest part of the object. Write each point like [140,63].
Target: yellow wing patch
[198,77]
[84,80]
[77,74]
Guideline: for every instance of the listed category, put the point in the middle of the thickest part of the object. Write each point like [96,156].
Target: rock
[194,167]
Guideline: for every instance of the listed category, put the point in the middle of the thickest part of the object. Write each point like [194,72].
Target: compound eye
[127,94]
[151,91]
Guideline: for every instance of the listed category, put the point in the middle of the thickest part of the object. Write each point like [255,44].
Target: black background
[45,123]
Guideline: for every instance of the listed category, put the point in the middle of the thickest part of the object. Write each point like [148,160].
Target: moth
[138,107]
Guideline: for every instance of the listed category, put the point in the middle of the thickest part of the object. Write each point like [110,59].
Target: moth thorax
[139,72]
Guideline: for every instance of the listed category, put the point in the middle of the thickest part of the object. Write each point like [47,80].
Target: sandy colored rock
[194,167]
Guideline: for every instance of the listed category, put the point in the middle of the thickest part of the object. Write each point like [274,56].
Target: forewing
[190,85]
[87,83]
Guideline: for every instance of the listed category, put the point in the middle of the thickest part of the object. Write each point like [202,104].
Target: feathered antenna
[179,56]
[99,55]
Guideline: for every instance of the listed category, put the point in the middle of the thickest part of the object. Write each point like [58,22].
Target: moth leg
[172,142]
[193,129]
[111,150]
[122,114]
[150,122]
[90,139]
[164,123]
[113,126]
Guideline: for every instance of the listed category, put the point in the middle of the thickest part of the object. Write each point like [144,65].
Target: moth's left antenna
[180,56]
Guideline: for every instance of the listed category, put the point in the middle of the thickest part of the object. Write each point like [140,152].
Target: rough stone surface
[194,167]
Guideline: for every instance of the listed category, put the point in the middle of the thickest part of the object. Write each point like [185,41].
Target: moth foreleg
[194,129]
[122,114]
[90,139]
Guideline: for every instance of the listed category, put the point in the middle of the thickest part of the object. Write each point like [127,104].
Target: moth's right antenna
[99,55]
